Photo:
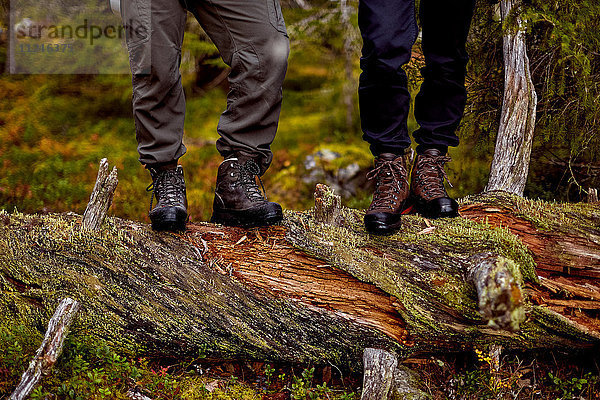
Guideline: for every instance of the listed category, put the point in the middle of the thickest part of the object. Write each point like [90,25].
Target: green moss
[424,266]
[545,216]
[144,291]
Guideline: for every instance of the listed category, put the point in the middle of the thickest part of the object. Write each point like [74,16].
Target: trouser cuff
[422,147]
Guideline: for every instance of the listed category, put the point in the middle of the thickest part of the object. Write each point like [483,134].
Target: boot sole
[420,207]
[169,219]
[247,218]
[381,229]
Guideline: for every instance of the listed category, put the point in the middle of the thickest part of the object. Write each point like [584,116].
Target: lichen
[582,218]
[423,266]
[144,291]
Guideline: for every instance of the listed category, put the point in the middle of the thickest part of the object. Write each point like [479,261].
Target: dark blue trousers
[389,30]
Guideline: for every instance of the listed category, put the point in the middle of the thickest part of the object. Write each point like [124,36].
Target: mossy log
[311,292]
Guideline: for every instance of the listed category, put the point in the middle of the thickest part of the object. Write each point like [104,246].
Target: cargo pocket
[136,20]
[276,16]
[137,24]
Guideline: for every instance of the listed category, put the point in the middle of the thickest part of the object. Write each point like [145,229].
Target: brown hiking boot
[427,186]
[238,199]
[391,193]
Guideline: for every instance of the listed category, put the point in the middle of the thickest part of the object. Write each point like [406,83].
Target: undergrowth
[89,369]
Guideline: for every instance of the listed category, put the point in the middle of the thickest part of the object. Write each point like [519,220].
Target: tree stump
[385,379]
[328,206]
[510,165]
[101,197]
[50,350]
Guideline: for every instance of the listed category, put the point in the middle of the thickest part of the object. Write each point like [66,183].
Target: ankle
[165,166]
[422,149]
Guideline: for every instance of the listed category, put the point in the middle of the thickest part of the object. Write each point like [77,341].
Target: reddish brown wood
[554,252]
[568,265]
[264,259]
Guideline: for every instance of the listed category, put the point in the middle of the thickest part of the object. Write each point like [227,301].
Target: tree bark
[349,57]
[328,206]
[510,165]
[592,196]
[49,351]
[101,197]
[384,379]
[312,292]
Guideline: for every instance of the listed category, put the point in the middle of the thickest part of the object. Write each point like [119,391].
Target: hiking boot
[168,186]
[427,186]
[390,196]
[238,199]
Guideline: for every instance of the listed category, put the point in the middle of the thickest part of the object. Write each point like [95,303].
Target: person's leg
[154,32]
[252,39]
[389,30]
[440,103]
[154,37]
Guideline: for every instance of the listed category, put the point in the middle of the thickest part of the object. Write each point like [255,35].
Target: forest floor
[90,369]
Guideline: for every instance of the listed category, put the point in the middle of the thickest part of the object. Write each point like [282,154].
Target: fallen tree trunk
[515,272]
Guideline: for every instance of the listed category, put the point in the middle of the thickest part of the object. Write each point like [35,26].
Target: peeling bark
[49,351]
[313,292]
[510,165]
[101,197]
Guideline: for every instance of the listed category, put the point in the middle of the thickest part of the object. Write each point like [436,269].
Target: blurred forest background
[55,128]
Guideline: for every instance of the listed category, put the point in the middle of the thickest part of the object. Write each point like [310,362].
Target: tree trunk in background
[510,166]
[348,62]
[302,4]
[10,51]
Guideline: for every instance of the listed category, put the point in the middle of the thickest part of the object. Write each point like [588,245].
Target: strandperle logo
[85,30]
[70,37]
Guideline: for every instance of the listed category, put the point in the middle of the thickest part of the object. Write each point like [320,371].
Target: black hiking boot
[390,196]
[238,199]
[168,186]
[427,186]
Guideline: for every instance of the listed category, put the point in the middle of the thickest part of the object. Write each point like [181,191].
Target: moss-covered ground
[91,370]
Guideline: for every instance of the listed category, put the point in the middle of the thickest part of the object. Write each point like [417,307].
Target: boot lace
[390,180]
[433,184]
[168,187]
[247,179]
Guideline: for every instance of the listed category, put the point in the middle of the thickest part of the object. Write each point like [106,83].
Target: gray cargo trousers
[251,38]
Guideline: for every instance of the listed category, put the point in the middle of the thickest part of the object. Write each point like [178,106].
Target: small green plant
[269,372]
[574,387]
[492,379]
[301,386]
[17,347]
